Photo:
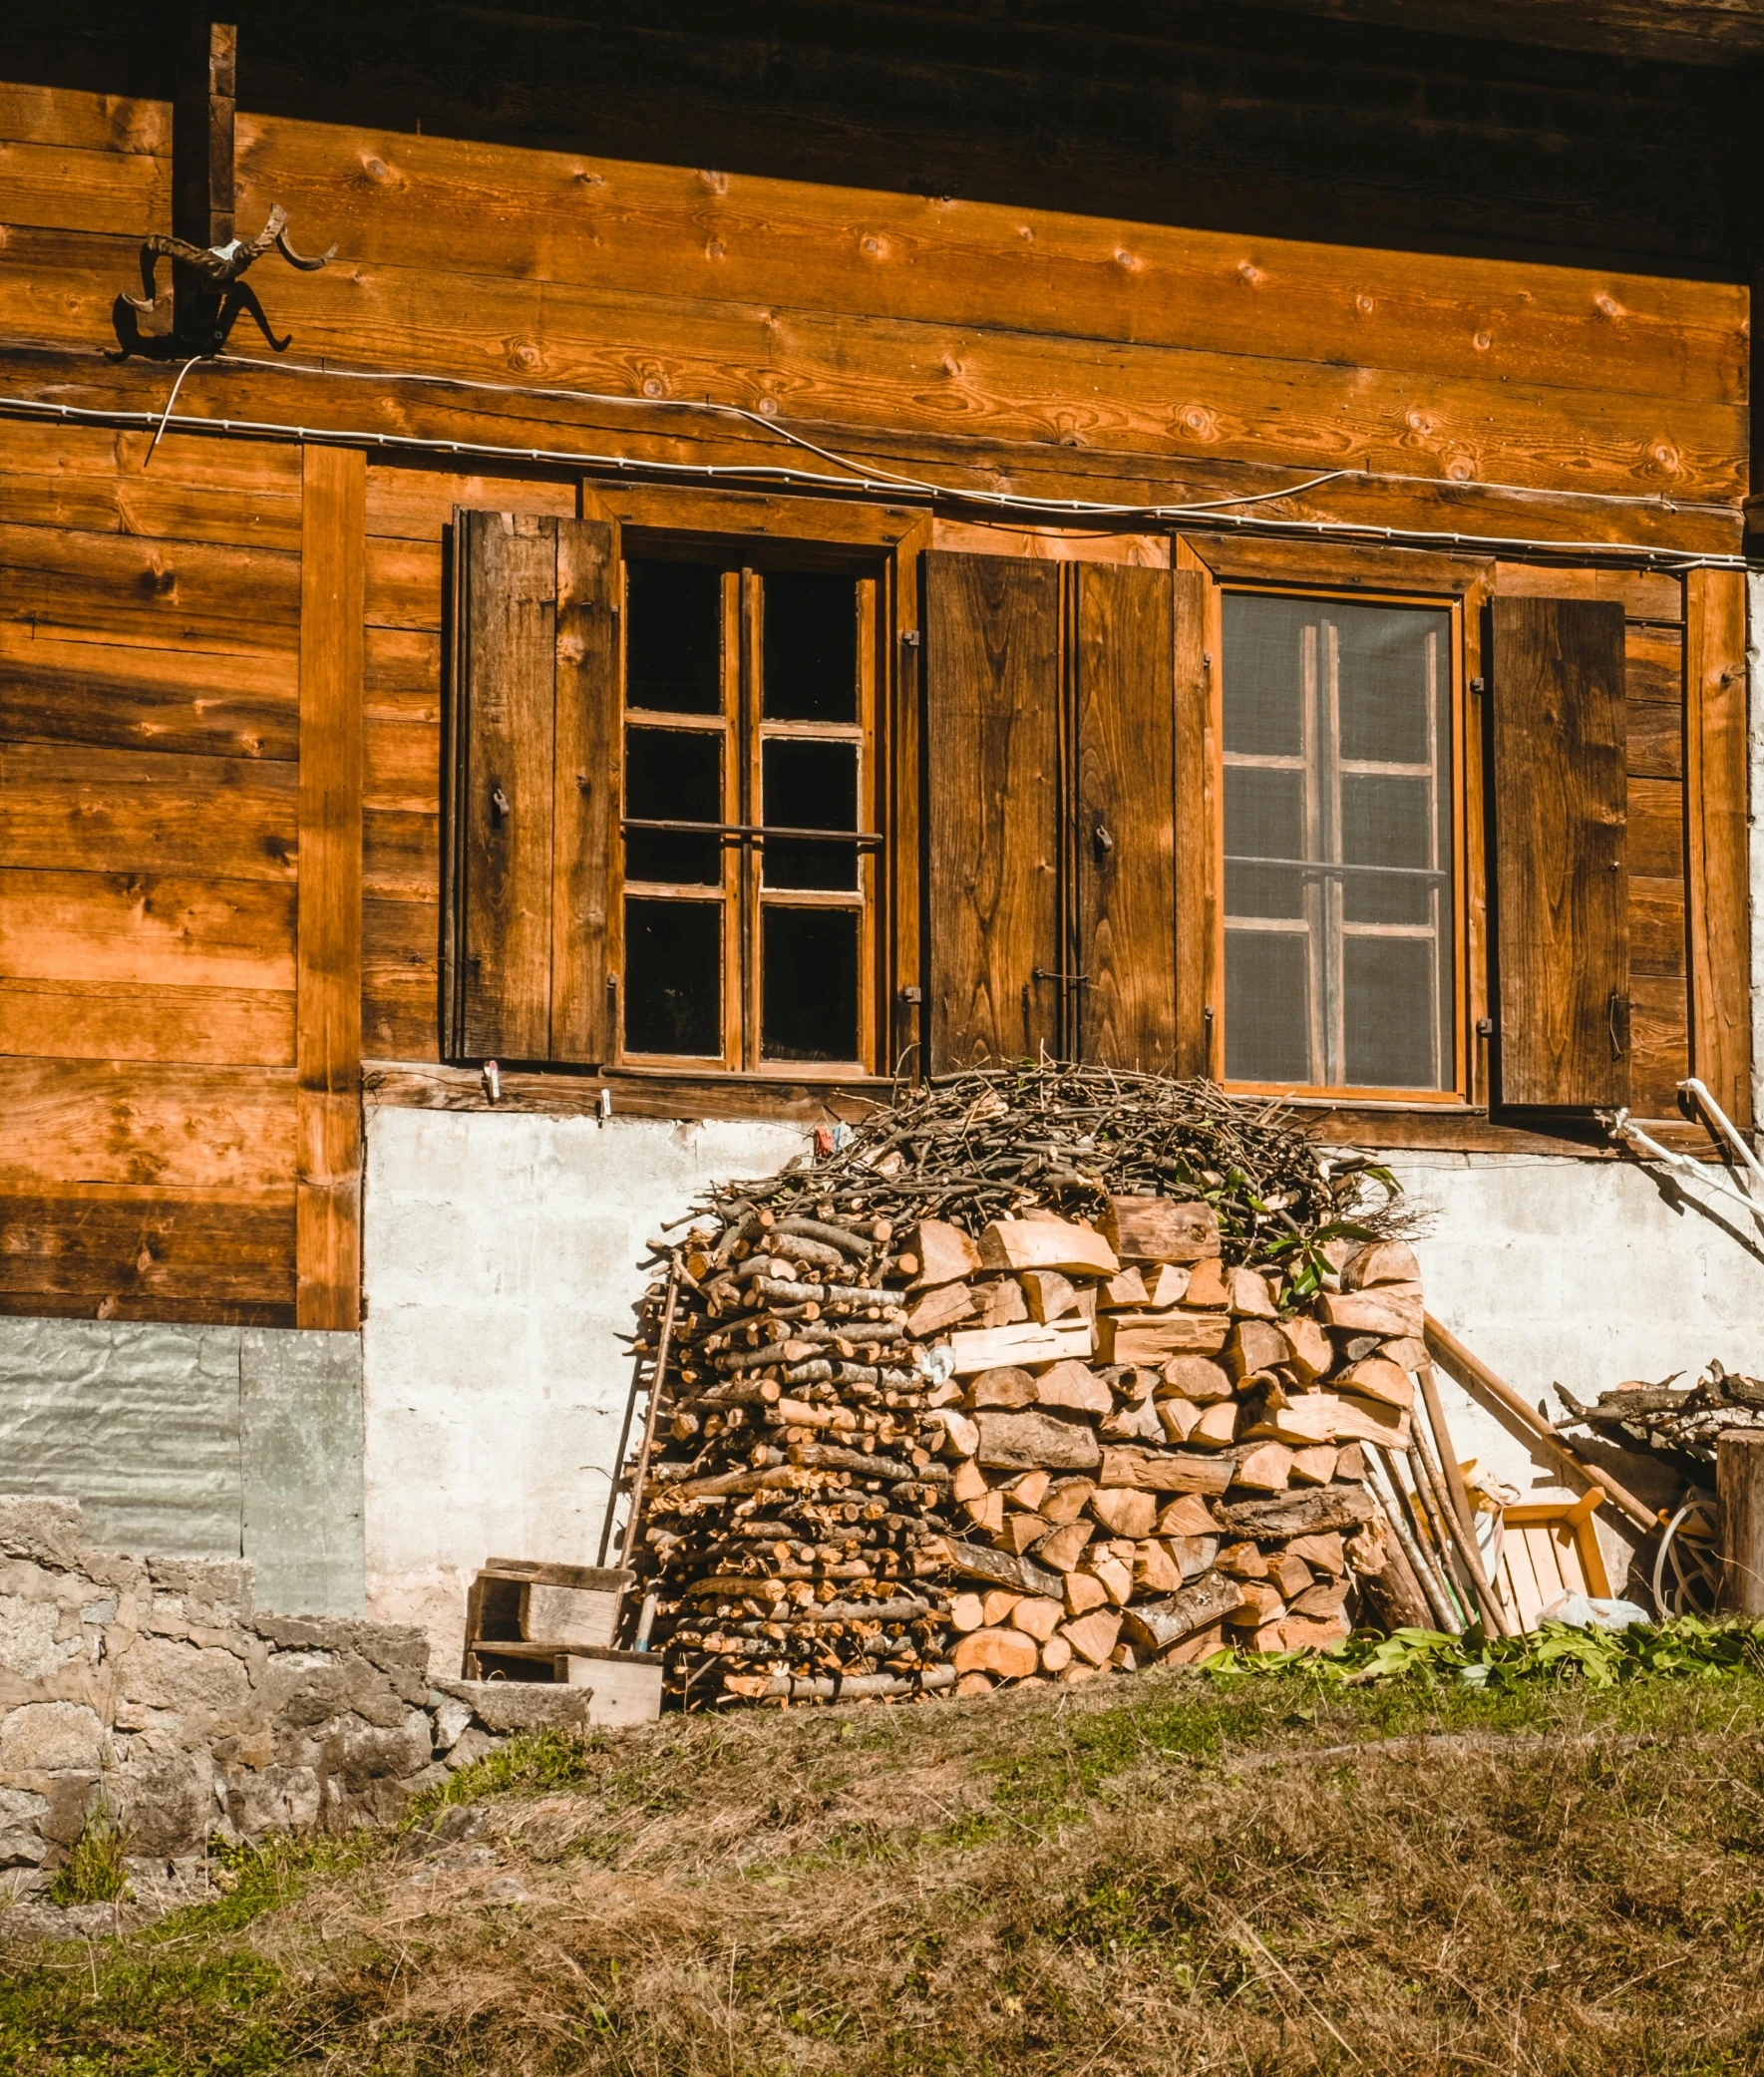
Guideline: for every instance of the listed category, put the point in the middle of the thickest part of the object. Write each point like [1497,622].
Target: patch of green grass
[112,2013]
[97,1869]
[535,1760]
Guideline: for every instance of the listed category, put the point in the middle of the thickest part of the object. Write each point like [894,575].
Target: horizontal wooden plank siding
[149,773]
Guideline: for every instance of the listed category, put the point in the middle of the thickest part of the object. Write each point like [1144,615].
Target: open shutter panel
[991,737]
[583,787]
[529,783]
[1124,838]
[1561,873]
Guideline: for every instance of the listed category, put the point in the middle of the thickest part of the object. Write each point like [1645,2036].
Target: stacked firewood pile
[1012,1439]
[1679,1423]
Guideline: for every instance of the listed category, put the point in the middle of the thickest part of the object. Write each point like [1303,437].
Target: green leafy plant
[97,1867]
[1689,1646]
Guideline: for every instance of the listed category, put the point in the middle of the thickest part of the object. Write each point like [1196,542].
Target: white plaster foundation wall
[499,1261]
[1583,1274]
[499,1264]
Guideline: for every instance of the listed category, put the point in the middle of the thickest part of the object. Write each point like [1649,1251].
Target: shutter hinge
[1479,686]
[1485,1027]
[909,636]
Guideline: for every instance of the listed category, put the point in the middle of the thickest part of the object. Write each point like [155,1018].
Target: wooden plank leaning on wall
[328,947]
[1717,860]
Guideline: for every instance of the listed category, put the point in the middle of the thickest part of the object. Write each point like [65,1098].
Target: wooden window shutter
[1124,810]
[529,781]
[1561,873]
[992,689]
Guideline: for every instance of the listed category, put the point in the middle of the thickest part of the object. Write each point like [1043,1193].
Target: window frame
[1466,892]
[744,559]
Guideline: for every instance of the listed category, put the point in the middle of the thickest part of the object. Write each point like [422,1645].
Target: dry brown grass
[1147,1876]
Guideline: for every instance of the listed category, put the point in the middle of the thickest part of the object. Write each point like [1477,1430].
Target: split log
[1050,1295]
[1319,1509]
[1161,1229]
[1006,1653]
[1038,1616]
[986,1348]
[1046,1243]
[788,1688]
[1021,1574]
[1380,1262]
[943,1308]
[1196,1378]
[1074,1387]
[1166,1471]
[1157,1625]
[1093,1637]
[945,1253]
[1034,1436]
[1390,1310]
[1154,1337]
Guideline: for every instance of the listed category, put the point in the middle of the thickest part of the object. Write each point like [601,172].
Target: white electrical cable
[886,483]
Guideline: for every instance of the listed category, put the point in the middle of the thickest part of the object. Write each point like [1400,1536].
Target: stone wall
[150,1685]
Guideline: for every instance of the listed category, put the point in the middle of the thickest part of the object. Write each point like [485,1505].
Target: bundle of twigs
[1681,1424]
[979,1146]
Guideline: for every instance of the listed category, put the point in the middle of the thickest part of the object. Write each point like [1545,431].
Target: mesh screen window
[1339,926]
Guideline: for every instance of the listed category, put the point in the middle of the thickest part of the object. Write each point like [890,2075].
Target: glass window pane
[1387,657]
[674,637]
[1264,641]
[673,980]
[673,860]
[1267,1006]
[1388,1013]
[673,775]
[811,646]
[1263,890]
[809,786]
[1264,813]
[1386,821]
[1344,687]
[808,983]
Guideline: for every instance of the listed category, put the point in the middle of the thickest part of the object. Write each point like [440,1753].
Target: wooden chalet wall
[1034,256]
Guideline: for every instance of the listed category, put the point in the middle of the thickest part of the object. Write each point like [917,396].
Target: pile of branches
[1678,1423]
[1003,1384]
[989,1144]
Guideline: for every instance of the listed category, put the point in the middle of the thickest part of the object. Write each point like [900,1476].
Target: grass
[1273,1872]
[97,1867]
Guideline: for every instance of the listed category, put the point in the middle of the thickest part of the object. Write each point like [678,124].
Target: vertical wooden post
[327,981]
[1719,884]
[203,173]
[1739,1487]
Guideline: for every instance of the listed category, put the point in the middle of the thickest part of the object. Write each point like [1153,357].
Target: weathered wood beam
[327,980]
[202,170]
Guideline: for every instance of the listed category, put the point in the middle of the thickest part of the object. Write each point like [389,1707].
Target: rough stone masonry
[147,1685]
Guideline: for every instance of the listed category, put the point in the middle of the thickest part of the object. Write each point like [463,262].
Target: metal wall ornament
[220,272]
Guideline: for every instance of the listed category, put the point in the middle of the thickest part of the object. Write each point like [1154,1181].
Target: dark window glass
[674,637]
[809,985]
[809,786]
[811,648]
[1382,658]
[1267,1006]
[673,775]
[674,977]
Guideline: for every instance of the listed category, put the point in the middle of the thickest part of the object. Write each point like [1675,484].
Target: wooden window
[749,853]
[1561,853]
[1341,887]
